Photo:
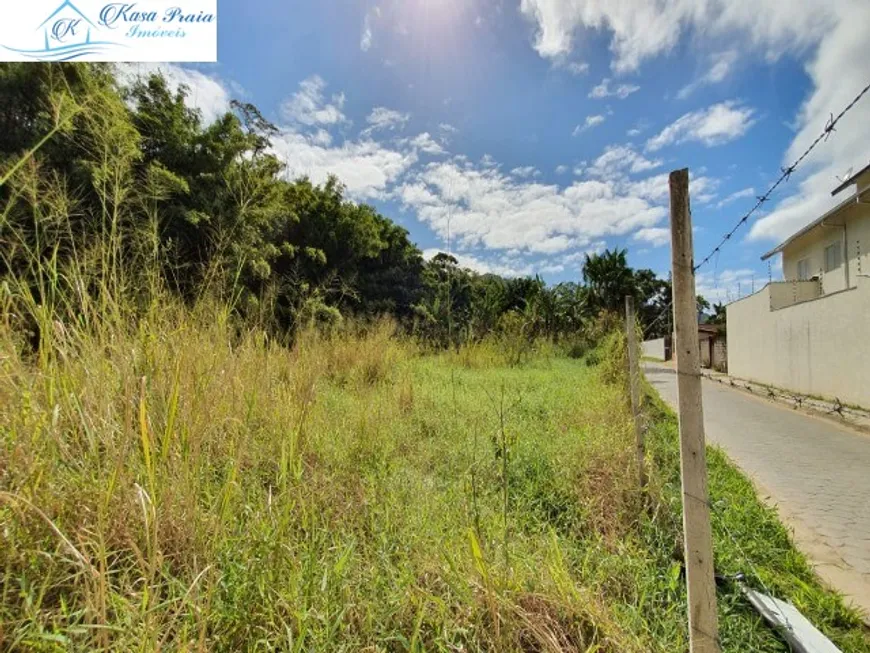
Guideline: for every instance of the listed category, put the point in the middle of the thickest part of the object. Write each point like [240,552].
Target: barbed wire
[787,172]
[664,312]
[845,411]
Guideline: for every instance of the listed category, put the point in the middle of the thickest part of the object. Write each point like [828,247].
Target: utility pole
[698,539]
[634,382]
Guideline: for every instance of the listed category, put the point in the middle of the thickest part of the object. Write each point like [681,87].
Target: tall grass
[181,482]
[174,479]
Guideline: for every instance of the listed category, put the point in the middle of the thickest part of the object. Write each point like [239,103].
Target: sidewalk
[854,417]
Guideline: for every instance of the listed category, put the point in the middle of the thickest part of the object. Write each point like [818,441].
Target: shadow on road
[658,370]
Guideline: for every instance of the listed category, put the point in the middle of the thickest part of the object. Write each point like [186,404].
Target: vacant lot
[180,485]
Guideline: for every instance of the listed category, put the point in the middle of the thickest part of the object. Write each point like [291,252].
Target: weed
[187,483]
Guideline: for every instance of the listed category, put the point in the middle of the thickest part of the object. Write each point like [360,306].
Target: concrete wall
[819,347]
[654,349]
[705,349]
[786,293]
[714,351]
[720,354]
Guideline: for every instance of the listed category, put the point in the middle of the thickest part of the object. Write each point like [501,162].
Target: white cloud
[723,286]
[417,195]
[383,118]
[576,68]
[618,161]
[603,90]
[721,64]
[489,209]
[737,195]
[516,264]
[715,125]
[639,127]
[526,172]
[365,39]
[655,236]
[488,161]
[811,200]
[561,170]
[646,28]
[837,79]
[830,36]
[367,168]
[446,133]
[503,267]
[309,106]
[425,143]
[321,137]
[721,68]
[590,122]
[208,94]
[702,189]
[656,189]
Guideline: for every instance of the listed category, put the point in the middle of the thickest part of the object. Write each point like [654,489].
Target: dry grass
[181,483]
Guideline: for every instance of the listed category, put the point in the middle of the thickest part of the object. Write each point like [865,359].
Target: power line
[830,127]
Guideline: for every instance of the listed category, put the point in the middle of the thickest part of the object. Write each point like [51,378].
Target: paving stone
[817,472]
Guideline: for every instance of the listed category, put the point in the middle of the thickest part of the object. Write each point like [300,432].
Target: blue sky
[534,131]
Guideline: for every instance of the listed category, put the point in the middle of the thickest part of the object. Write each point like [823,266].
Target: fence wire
[830,127]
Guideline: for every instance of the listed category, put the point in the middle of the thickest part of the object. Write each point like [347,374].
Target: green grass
[749,539]
[178,485]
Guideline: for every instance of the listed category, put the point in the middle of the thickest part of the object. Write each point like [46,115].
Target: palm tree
[609,279]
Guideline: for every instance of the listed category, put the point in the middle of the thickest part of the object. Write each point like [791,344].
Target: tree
[131,185]
[719,315]
[609,280]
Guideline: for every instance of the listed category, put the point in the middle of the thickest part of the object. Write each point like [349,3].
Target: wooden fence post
[703,627]
[634,382]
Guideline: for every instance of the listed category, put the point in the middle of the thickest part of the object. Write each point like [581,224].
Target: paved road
[816,472]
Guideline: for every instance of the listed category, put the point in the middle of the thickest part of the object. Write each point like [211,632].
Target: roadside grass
[749,540]
[184,484]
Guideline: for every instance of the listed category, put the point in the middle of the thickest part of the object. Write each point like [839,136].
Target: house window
[833,257]
[803,269]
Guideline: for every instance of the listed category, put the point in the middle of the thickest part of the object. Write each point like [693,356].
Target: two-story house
[834,249]
[809,333]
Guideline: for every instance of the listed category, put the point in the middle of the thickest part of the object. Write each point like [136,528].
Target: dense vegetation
[229,419]
[178,485]
[106,179]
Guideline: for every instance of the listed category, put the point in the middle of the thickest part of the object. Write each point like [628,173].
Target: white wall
[786,293]
[654,349]
[819,347]
[854,248]
[859,243]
